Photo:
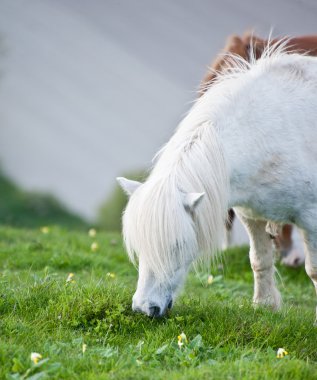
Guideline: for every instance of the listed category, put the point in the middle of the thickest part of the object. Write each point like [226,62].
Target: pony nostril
[154,311]
[170,304]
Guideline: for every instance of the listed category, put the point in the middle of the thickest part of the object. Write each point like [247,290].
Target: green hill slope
[29,209]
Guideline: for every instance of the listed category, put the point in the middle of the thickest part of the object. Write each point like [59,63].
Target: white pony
[250,142]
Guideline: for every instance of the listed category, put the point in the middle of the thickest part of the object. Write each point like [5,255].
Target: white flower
[36,357]
[70,278]
[92,232]
[281,353]
[94,246]
[210,279]
[182,339]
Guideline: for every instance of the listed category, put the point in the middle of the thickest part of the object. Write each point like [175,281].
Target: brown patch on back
[234,45]
[241,46]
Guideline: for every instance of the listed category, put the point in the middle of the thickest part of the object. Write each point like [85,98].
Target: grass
[227,337]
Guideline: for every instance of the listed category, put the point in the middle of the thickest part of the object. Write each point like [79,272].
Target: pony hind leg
[310,246]
[228,231]
[262,263]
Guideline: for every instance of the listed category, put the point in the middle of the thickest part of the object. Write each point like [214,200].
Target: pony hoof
[266,305]
[273,304]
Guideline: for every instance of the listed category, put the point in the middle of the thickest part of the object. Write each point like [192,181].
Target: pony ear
[192,200]
[128,185]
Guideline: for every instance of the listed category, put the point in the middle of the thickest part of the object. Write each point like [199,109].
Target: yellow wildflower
[70,278]
[92,232]
[45,230]
[94,246]
[111,275]
[281,353]
[84,348]
[182,339]
[36,357]
[210,279]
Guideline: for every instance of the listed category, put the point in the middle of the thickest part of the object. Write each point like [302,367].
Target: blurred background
[90,90]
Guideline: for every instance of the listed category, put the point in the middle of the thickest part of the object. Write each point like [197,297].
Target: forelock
[157,228]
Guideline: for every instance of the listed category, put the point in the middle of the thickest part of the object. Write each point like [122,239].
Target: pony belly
[276,211]
[283,200]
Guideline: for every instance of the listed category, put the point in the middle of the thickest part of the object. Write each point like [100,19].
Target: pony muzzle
[152,309]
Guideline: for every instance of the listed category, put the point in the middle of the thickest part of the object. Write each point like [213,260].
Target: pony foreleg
[262,263]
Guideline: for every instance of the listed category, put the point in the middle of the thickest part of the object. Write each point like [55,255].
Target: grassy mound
[109,216]
[26,209]
[85,329]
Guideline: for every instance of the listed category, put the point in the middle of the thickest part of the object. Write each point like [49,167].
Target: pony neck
[193,161]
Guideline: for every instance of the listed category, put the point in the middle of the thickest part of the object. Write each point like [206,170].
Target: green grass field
[227,338]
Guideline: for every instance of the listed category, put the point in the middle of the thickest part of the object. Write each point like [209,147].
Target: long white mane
[155,223]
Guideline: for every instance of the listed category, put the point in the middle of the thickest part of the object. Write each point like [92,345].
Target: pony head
[159,229]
